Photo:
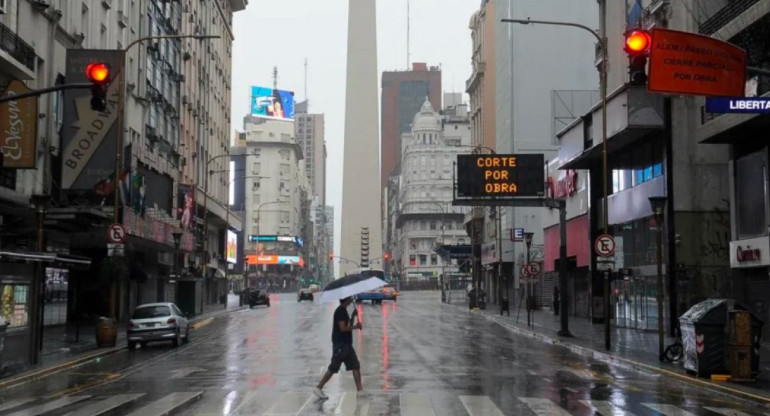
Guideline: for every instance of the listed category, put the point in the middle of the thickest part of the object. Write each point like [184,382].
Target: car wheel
[175,341]
[187,335]
[299,300]
[131,346]
[268,303]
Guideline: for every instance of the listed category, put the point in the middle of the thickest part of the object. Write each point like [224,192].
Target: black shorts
[343,353]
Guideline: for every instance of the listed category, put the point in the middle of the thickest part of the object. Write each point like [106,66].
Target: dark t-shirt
[339,337]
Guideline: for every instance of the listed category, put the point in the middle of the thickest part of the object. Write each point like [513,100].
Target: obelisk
[361,169]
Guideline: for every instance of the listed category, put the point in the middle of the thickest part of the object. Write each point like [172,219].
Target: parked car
[258,297]
[482,299]
[305,294]
[157,322]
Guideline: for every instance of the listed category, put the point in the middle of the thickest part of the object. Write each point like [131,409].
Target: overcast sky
[283,33]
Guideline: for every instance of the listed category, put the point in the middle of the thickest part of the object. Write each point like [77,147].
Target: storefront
[749,260]
[17,270]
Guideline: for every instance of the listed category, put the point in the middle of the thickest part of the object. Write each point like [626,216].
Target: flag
[105,186]
[125,188]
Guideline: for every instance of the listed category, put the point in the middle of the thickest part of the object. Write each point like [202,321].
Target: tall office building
[360,192]
[403,93]
[309,129]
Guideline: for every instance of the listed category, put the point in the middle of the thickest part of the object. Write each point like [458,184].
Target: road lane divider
[201,324]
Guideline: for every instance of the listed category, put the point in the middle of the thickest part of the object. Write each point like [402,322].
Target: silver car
[157,322]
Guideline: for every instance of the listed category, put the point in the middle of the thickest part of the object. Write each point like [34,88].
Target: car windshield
[151,312]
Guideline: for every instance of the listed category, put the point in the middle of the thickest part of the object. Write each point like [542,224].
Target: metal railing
[16,47]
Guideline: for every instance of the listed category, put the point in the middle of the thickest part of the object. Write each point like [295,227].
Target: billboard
[500,176]
[276,238]
[186,205]
[232,247]
[18,126]
[273,259]
[270,103]
[88,137]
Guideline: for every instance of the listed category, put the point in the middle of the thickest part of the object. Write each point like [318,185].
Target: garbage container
[106,333]
[705,338]
[504,306]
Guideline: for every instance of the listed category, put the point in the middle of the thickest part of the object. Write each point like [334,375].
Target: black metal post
[564,301]
[40,202]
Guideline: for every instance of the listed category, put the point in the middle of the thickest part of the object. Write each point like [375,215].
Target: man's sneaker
[319,393]
[363,394]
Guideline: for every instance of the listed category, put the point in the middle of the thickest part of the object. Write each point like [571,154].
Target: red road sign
[604,245]
[116,234]
[688,63]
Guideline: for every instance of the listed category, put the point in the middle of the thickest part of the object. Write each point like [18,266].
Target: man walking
[342,349]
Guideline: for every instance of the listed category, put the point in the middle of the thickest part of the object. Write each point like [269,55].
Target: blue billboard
[270,103]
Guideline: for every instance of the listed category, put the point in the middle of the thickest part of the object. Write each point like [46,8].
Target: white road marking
[10,404]
[247,399]
[44,408]
[415,404]
[351,405]
[480,406]
[107,405]
[724,411]
[168,404]
[605,408]
[544,407]
[184,372]
[289,403]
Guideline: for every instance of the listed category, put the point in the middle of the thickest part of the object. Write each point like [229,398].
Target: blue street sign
[755,105]
[517,234]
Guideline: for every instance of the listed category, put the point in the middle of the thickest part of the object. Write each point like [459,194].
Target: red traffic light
[387,256]
[637,42]
[98,72]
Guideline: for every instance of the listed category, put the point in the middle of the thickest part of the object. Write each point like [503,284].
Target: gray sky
[283,33]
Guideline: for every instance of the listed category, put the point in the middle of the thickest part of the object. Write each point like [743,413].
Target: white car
[157,322]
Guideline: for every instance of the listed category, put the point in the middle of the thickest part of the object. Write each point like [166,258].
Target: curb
[616,359]
[55,368]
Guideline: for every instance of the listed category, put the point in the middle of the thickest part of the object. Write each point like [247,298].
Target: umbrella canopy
[350,285]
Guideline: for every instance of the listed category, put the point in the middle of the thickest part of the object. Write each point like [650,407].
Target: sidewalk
[631,347]
[66,345]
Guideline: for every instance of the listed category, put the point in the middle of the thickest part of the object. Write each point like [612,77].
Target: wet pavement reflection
[418,357]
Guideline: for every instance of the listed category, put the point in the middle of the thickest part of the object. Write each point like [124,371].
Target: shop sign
[18,126]
[754,252]
[564,187]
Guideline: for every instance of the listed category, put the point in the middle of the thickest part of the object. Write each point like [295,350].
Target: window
[412,260]
[432,225]
[750,194]
[13,305]
[423,260]
[433,259]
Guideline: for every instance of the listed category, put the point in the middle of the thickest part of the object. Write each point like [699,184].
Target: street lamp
[530,296]
[658,204]
[602,39]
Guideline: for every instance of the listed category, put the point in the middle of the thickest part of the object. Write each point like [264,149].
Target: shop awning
[55,259]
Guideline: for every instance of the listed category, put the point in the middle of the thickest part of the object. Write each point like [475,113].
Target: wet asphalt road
[419,357]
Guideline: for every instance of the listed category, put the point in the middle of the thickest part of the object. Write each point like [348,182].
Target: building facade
[426,218]
[310,130]
[273,192]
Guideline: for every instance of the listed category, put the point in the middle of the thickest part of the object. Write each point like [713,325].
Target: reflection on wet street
[419,357]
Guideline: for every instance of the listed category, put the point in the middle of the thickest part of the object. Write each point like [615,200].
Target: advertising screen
[232,247]
[270,103]
[500,176]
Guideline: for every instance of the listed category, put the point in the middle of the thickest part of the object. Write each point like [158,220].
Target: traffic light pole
[35,93]
[601,37]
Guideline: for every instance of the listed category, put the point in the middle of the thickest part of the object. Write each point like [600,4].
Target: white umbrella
[350,285]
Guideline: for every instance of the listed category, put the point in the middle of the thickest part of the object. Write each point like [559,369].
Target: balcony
[16,56]
[725,15]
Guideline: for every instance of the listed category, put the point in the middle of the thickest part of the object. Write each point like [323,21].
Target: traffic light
[99,75]
[331,256]
[637,47]
[387,256]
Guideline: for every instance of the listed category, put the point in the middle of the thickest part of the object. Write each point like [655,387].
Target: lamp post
[530,296]
[40,204]
[177,236]
[658,204]
[601,37]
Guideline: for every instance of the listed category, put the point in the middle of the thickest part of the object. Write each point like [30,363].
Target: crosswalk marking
[168,403]
[289,403]
[605,408]
[10,404]
[350,405]
[415,404]
[480,406]
[107,405]
[667,409]
[726,412]
[247,399]
[581,374]
[50,406]
[543,407]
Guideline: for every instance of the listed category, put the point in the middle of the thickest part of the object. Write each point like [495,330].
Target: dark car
[482,299]
[305,294]
[258,297]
